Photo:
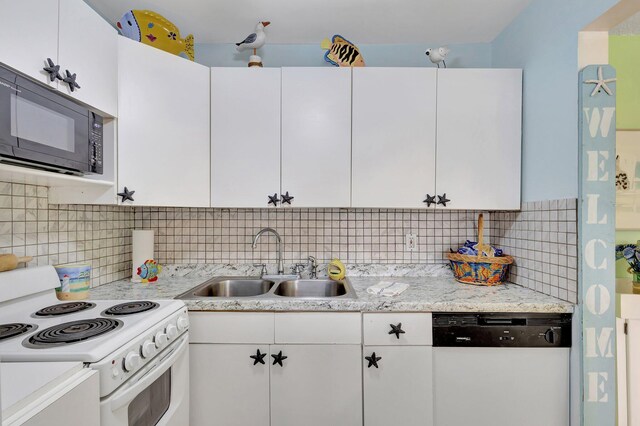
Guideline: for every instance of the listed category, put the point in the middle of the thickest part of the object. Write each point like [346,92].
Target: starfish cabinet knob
[278,358]
[258,357]
[396,329]
[286,198]
[273,199]
[443,200]
[373,360]
[70,79]
[431,199]
[126,194]
[53,70]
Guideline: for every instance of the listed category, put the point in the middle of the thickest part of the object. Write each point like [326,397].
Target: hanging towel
[387,288]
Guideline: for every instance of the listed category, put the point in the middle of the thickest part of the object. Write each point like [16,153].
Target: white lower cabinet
[316,385]
[400,389]
[227,386]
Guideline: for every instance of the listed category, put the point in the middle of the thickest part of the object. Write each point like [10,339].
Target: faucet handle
[263,266]
[298,268]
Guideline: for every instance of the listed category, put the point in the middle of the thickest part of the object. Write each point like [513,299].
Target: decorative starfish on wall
[53,70]
[396,329]
[373,360]
[126,194]
[258,357]
[601,83]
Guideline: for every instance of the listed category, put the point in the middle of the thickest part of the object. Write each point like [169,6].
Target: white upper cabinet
[163,127]
[479,138]
[88,47]
[29,34]
[316,136]
[245,136]
[394,137]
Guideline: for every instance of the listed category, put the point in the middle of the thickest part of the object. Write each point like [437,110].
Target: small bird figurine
[438,55]
[254,40]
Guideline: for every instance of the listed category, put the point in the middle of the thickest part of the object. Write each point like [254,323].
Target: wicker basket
[479,270]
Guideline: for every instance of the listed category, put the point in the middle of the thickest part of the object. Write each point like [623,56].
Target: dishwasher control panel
[502,330]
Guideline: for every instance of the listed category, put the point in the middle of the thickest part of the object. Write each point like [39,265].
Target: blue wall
[543,40]
[473,55]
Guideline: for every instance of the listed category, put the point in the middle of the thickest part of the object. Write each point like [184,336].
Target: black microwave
[41,128]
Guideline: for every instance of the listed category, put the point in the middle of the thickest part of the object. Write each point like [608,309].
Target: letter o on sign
[598,299]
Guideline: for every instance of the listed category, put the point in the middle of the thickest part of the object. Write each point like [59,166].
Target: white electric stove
[136,346]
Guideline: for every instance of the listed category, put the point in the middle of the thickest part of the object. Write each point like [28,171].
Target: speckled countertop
[434,290]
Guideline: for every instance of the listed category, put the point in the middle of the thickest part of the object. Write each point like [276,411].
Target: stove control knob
[148,349]
[172,331]
[550,336]
[131,361]
[161,339]
[183,323]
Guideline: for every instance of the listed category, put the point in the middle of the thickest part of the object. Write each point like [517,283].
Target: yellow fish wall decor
[341,52]
[155,30]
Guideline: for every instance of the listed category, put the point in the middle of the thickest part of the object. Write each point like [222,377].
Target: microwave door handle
[149,377]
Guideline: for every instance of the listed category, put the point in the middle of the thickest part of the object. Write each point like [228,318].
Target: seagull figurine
[601,83]
[438,55]
[254,40]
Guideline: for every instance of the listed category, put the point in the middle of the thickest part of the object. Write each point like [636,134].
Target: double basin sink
[253,287]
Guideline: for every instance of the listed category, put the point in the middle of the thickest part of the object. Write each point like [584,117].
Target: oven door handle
[154,371]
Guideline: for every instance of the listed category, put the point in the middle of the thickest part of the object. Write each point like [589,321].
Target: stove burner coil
[14,329]
[64,308]
[130,308]
[73,332]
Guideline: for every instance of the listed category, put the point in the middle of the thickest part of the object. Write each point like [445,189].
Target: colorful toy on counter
[254,41]
[479,263]
[336,270]
[341,52]
[149,271]
[155,30]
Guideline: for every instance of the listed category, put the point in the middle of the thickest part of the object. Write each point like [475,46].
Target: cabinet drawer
[231,327]
[308,327]
[378,329]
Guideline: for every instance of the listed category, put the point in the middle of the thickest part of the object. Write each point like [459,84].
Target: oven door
[157,395]
[40,126]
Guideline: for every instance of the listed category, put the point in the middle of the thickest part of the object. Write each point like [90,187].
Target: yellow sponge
[336,270]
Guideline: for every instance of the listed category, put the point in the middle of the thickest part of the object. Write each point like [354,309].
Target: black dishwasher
[501,369]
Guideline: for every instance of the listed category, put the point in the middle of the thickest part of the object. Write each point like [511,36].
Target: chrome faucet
[314,267]
[278,244]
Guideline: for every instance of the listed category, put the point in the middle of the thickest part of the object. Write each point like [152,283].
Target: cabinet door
[224,382]
[633,372]
[316,136]
[394,137]
[400,390]
[245,136]
[479,138]
[163,127]
[88,47]
[29,32]
[317,385]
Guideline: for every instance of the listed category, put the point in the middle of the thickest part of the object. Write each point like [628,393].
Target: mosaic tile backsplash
[56,234]
[542,237]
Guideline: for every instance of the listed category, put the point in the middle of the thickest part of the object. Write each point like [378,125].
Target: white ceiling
[309,21]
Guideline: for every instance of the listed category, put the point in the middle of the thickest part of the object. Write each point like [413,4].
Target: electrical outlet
[410,242]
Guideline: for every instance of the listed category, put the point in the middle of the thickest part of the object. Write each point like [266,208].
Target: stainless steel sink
[229,287]
[311,288]
[256,287]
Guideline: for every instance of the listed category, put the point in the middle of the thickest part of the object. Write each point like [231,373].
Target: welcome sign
[597,242]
